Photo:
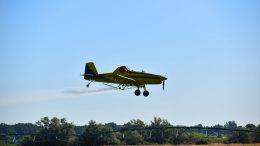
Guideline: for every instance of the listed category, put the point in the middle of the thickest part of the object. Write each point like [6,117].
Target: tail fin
[90,69]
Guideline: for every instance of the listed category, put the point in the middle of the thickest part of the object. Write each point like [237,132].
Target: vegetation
[59,132]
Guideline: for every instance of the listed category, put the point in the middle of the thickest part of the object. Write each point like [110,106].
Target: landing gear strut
[89,84]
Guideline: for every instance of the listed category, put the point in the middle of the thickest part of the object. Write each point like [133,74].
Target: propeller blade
[163,85]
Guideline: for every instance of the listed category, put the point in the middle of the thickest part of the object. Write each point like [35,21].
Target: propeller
[164,80]
[163,85]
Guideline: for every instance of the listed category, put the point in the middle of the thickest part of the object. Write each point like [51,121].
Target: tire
[137,92]
[145,93]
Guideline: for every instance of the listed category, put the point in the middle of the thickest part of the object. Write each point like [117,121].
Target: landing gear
[89,84]
[137,92]
[145,93]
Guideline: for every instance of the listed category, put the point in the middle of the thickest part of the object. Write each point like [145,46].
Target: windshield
[124,69]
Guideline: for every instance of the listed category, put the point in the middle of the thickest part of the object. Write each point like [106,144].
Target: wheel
[145,93]
[137,92]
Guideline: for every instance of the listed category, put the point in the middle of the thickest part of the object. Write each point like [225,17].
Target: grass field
[257,144]
[227,145]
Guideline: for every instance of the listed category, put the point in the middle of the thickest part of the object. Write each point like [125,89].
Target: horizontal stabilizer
[87,75]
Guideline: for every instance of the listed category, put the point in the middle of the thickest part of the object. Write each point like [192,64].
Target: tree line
[59,132]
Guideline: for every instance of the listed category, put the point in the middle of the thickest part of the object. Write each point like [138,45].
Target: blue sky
[209,50]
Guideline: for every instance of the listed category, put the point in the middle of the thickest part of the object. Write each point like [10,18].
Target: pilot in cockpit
[124,69]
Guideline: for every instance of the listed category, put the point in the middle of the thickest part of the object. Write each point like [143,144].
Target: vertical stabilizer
[90,69]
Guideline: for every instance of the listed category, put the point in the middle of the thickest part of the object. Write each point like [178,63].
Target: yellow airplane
[123,78]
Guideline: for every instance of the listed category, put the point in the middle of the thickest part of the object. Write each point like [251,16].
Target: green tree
[251,135]
[135,123]
[178,136]
[219,132]
[239,136]
[197,138]
[98,134]
[133,138]
[6,129]
[257,135]
[159,134]
[230,125]
[133,131]
[113,125]
[28,141]
[55,132]
[251,126]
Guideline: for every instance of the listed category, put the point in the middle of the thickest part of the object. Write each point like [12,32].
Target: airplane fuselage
[139,78]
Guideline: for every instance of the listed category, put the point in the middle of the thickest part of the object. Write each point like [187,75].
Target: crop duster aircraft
[123,78]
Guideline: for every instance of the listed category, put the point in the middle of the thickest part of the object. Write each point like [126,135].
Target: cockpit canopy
[124,69]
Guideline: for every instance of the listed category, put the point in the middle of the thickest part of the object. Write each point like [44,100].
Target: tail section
[90,69]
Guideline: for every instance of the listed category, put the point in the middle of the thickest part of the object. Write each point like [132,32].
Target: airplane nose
[163,78]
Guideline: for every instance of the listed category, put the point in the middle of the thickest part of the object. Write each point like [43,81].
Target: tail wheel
[145,93]
[137,92]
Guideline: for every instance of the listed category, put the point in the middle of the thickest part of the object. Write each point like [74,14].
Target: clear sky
[208,49]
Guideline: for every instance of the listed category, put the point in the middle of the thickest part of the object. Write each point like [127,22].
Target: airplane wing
[121,77]
[126,78]
[123,81]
